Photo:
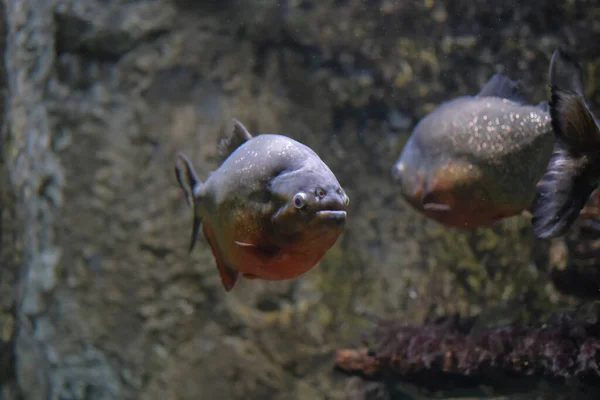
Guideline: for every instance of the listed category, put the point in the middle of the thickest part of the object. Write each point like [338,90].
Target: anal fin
[228,275]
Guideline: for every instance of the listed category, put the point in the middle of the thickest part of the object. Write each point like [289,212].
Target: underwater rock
[451,353]
[102,94]
[8,245]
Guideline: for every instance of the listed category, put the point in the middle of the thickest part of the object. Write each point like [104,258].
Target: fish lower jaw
[332,214]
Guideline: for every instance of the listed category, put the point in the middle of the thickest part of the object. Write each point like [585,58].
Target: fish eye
[320,192]
[299,200]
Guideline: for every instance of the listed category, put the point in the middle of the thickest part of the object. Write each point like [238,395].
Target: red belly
[289,262]
[243,248]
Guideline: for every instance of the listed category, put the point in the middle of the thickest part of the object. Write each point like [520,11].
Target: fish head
[408,173]
[423,184]
[312,205]
[423,181]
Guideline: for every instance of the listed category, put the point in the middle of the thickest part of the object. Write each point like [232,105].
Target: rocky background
[99,298]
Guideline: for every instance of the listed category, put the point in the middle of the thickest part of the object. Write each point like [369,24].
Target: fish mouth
[338,215]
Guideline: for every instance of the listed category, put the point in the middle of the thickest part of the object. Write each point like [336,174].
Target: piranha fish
[270,211]
[574,170]
[476,159]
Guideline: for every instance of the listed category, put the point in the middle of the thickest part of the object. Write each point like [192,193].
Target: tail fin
[193,189]
[574,168]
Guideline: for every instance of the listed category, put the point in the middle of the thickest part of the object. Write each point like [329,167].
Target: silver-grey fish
[270,211]
[476,159]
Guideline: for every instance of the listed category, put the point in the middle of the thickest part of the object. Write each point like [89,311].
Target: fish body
[476,159]
[573,172]
[270,211]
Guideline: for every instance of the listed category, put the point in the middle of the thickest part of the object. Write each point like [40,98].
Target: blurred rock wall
[100,299]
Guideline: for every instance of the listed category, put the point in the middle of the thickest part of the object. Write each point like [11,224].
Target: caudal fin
[192,188]
[561,194]
[573,170]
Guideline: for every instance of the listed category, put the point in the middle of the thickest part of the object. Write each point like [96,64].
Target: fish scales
[476,159]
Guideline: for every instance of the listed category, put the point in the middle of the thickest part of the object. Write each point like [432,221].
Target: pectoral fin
[433,201]
[436,207]
[260,250]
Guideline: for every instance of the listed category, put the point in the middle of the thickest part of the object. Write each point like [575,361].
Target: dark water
[99,296]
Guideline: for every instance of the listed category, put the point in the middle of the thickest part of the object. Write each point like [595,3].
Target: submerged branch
[451,354]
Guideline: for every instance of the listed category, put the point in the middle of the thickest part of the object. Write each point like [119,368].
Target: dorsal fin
[228,145]
[501,86]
